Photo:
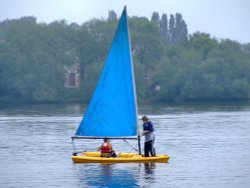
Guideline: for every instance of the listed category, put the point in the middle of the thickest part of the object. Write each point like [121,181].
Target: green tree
[155,18]
[164,28]
[171,30]
[112,15]
[180,31]
[146,41]
[168,65]
[203,43]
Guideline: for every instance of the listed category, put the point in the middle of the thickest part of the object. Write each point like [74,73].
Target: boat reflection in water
[106,175]
[118,175]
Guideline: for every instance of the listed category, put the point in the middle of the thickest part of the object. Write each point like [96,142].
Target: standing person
[106,149]
[148,132]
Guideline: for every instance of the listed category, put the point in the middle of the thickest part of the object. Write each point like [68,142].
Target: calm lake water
[209,148]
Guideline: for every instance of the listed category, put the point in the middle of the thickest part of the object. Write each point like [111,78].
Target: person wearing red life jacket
[106,149]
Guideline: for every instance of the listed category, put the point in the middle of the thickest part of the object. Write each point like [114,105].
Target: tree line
[171,65]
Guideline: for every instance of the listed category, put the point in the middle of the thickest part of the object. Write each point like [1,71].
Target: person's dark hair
[105,139]
[145,118]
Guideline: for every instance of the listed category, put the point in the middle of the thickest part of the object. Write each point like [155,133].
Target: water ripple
[208,148]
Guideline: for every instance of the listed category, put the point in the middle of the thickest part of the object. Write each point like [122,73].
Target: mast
[134,86]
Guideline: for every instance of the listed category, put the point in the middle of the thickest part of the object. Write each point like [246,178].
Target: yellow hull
[94,157]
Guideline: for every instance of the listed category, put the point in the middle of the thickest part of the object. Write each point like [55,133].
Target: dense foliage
[170,65]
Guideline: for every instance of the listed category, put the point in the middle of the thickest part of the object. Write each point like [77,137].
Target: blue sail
[112,110]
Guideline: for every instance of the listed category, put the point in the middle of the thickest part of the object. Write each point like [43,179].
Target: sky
[222,19]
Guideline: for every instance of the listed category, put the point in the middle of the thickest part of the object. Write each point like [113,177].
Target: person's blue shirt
[148,126]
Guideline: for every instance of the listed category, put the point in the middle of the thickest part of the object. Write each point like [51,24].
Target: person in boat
[148,133]
[106,149]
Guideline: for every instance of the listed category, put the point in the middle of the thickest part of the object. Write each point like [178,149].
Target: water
[209,147]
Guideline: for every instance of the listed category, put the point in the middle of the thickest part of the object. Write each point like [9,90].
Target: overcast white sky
[220,18]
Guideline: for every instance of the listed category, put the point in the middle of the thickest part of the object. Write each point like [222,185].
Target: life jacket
[106,148]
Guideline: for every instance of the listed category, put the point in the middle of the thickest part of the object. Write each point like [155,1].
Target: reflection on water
[105,175]
[209,147]
[116,175]
[149,168]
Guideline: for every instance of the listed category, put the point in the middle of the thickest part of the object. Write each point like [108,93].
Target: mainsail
[112,111]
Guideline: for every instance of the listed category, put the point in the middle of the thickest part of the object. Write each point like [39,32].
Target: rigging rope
[130,145]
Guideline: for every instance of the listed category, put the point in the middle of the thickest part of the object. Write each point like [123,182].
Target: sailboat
[112,111]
